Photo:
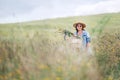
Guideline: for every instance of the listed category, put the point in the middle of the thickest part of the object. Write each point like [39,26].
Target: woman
[82,34]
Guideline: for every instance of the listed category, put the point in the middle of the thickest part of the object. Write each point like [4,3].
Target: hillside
[94,24]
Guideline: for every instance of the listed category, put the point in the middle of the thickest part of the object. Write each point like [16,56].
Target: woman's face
[79,27]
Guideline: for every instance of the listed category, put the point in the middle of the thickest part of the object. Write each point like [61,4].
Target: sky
[28,10]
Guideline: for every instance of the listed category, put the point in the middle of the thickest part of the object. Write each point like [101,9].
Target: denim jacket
[85,37]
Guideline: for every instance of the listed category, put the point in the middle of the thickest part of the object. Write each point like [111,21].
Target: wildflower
[42,66]
[110,78]
[46,78]
[58,78]
[59,69]
[18,71]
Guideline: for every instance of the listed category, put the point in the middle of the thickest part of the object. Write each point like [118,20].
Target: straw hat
[75,24]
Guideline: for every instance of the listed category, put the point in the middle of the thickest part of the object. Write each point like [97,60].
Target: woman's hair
[77,29]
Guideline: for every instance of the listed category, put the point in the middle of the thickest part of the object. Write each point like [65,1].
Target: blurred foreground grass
[44,60]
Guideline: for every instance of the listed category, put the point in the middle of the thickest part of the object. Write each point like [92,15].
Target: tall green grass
[37,51]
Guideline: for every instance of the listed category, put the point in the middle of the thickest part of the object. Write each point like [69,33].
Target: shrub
[107,49]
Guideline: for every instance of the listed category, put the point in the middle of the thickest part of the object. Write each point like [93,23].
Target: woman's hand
[87,45]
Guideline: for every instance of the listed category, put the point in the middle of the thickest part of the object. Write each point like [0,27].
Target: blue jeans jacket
[85,37]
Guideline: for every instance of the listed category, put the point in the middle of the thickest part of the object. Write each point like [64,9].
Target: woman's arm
[86,39]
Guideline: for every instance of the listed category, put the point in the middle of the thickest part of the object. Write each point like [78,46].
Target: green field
[36,50]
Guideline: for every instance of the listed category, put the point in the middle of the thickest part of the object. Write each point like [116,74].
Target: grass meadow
[36,50]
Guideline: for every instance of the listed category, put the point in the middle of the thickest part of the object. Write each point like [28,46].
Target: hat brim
[75,24]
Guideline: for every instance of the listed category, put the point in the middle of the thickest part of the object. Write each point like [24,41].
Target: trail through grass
[97,30]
